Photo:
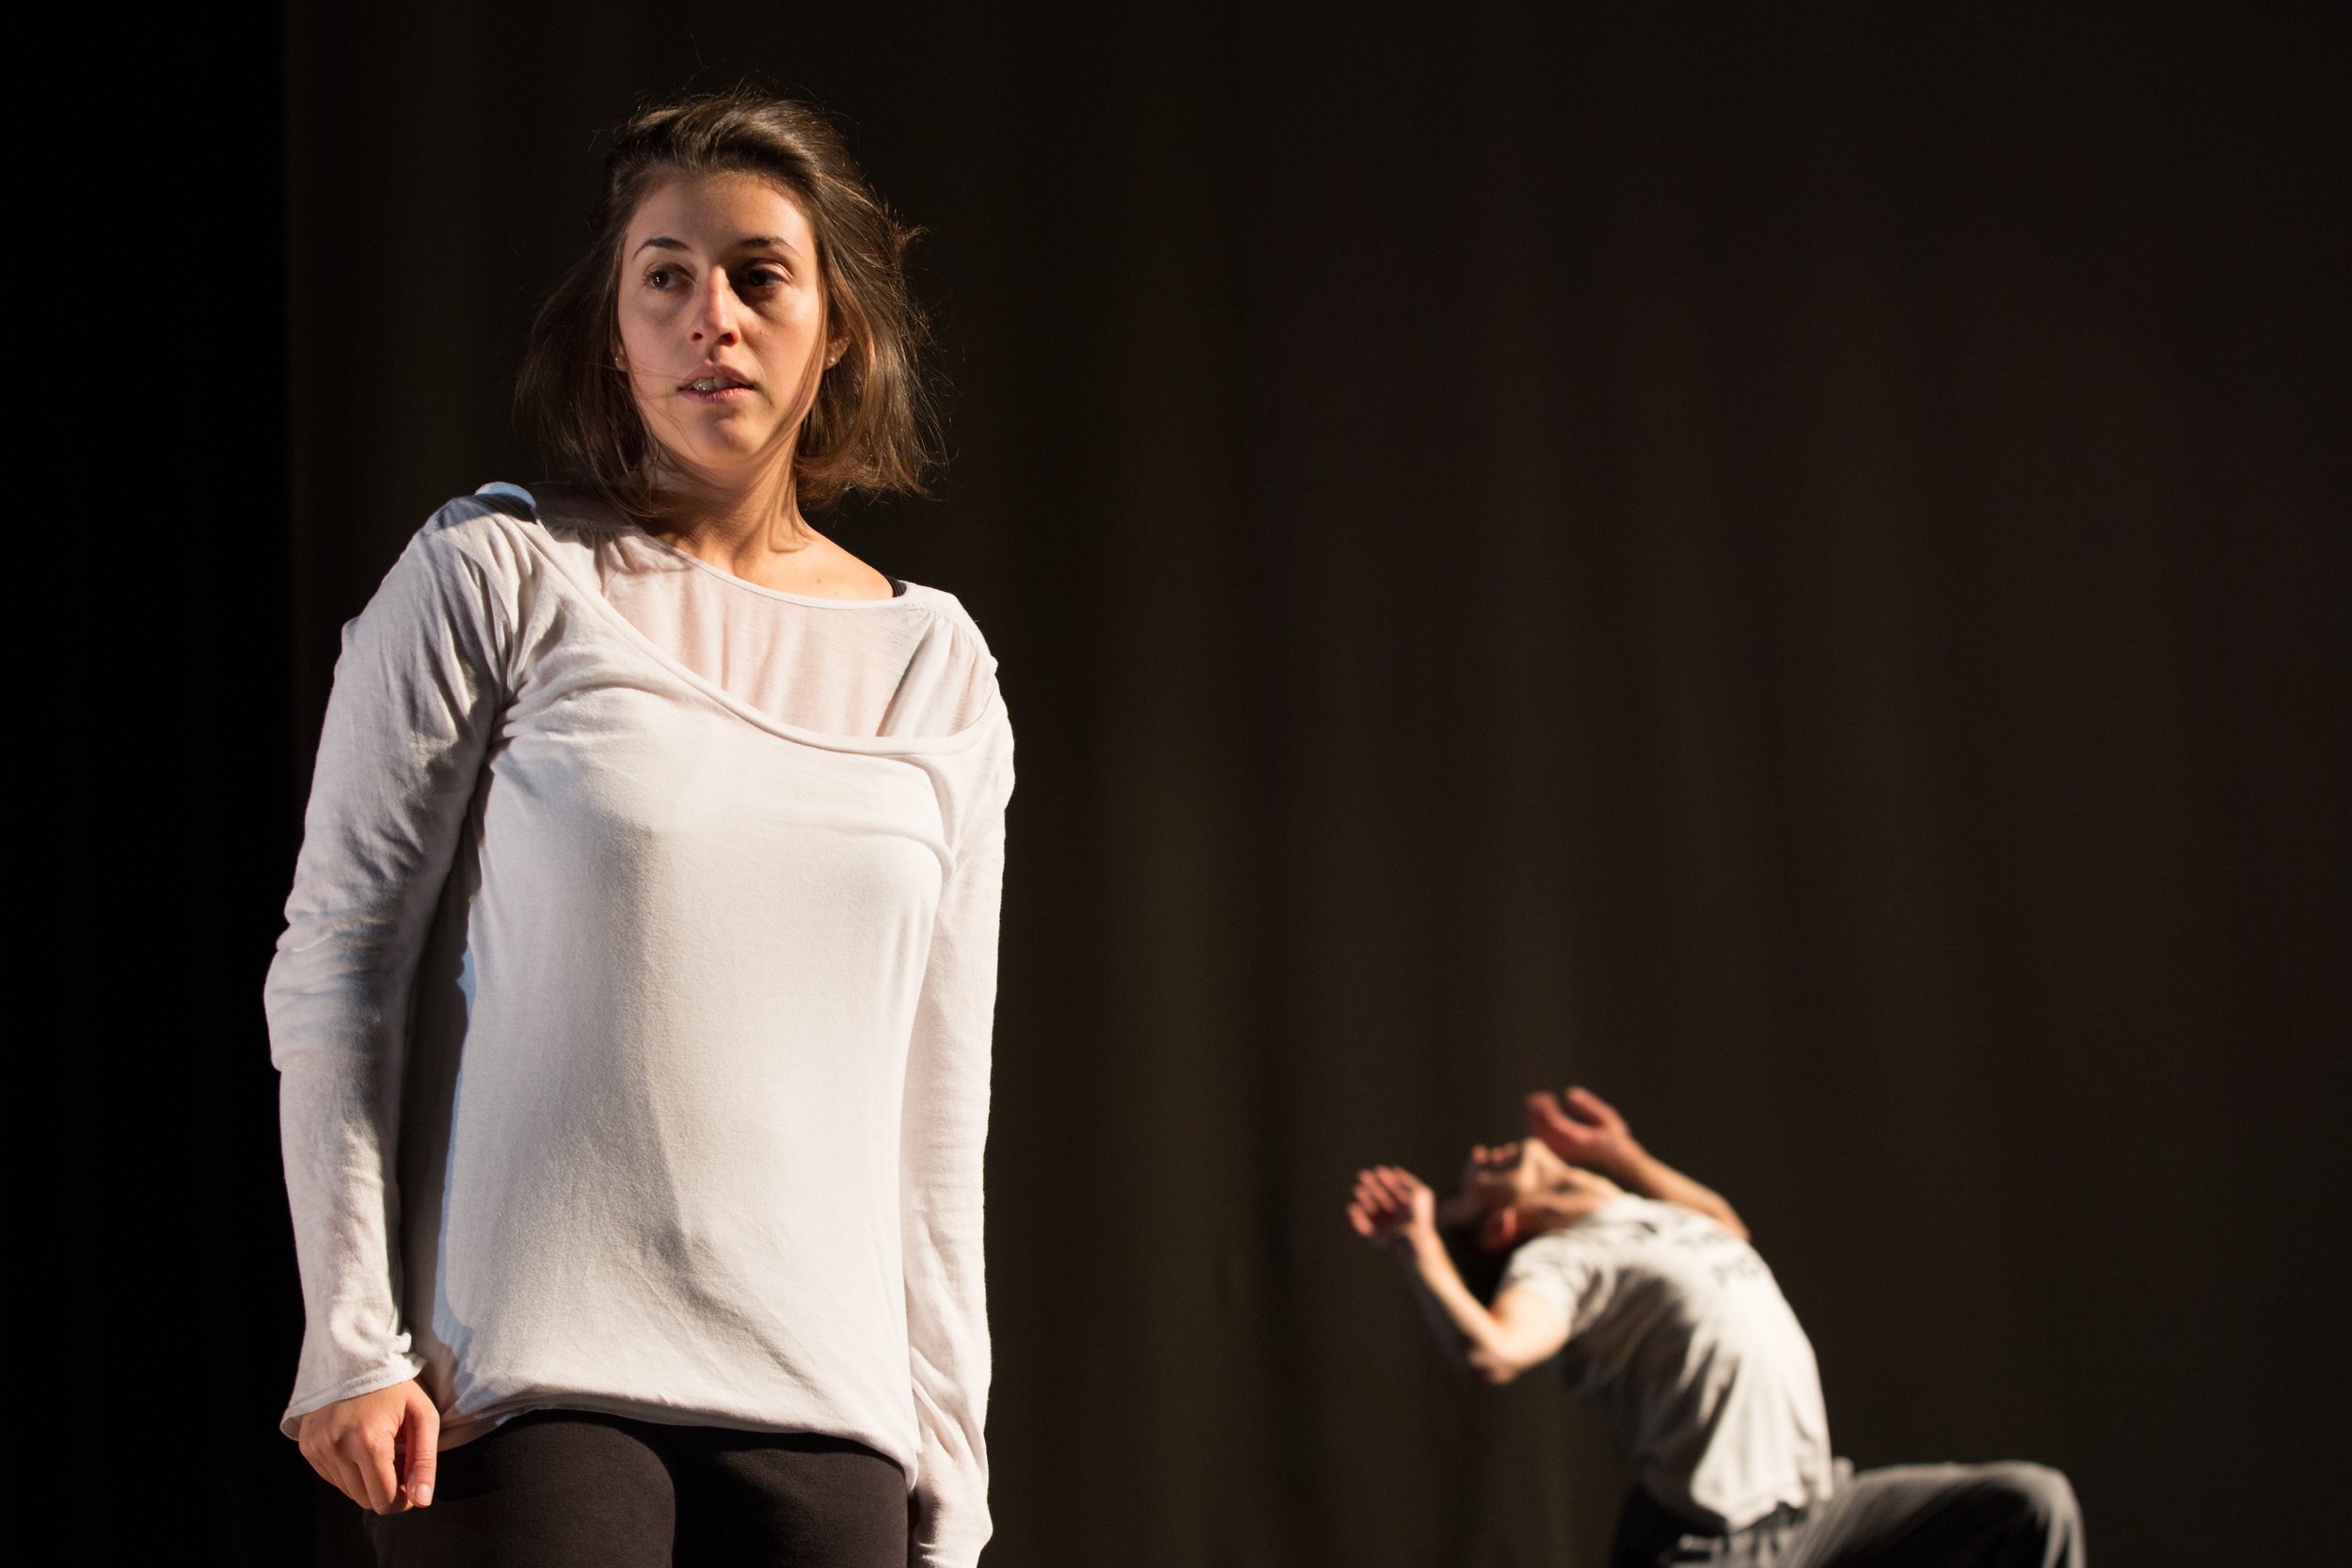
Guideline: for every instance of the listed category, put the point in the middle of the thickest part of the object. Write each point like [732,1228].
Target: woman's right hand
[364,1443]
[1389,1204]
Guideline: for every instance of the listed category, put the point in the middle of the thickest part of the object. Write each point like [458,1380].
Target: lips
[716,383]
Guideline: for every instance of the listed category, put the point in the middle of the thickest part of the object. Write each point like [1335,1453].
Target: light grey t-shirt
[1677,1328]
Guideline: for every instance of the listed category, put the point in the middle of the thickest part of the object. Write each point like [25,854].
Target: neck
[1570,1204]
[738,526]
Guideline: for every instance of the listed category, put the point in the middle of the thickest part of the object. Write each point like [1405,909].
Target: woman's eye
[661,277]
[763,278]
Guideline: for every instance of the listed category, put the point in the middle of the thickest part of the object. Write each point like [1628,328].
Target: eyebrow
[663,241]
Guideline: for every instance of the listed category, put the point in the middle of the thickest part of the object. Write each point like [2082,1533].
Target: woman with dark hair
[634,1004]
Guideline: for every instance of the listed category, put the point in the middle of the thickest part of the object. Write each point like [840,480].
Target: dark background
[1794,569]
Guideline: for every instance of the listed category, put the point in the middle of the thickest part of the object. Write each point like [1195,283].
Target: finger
[344,1475]
[373,1459]
[423,1435]
[1592,1105]
[318,1446]
[1547,1121]
[329,1464]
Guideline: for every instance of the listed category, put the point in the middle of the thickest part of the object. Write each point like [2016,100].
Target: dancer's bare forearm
[1651,1176]
[1451,1341]
[1395,1208]
[1497,1343]
[1589,1131]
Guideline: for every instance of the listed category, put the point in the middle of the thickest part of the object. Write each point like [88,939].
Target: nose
[714,324]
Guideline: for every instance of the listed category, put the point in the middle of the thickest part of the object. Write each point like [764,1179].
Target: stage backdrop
[1793,571]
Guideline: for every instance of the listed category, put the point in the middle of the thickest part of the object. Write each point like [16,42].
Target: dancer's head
[1512,1193]
[743,311]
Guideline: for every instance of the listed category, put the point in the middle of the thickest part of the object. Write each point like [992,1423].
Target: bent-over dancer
[1642,1282]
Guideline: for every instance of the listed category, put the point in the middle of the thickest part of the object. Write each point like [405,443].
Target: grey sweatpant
[1904,1516]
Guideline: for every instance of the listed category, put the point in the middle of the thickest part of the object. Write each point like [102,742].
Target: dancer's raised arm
[1590,1132]
[1392,1207]
[1664,1317]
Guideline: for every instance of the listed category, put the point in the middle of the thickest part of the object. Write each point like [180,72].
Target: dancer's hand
[1598,1138]
[1391,1204]
[364,1443]
[1598,1141]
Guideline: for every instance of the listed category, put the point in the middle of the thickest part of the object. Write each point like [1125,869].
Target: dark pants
[1906,1516]
[568,1489]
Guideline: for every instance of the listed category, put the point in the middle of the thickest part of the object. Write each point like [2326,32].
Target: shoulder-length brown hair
[870,427]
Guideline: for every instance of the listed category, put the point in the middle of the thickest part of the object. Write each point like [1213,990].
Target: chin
[722,450]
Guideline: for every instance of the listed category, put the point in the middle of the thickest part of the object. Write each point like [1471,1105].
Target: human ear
[1499,1229]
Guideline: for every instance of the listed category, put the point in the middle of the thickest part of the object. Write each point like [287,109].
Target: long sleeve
[943,1139]
[416,698]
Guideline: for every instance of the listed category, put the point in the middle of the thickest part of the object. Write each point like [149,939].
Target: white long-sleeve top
[1679,1331]
[633,1041]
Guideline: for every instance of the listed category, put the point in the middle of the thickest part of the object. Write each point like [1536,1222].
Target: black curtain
[152,749]
[1791,568]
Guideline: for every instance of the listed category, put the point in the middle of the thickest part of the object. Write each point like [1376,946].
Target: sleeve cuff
[356,1384]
